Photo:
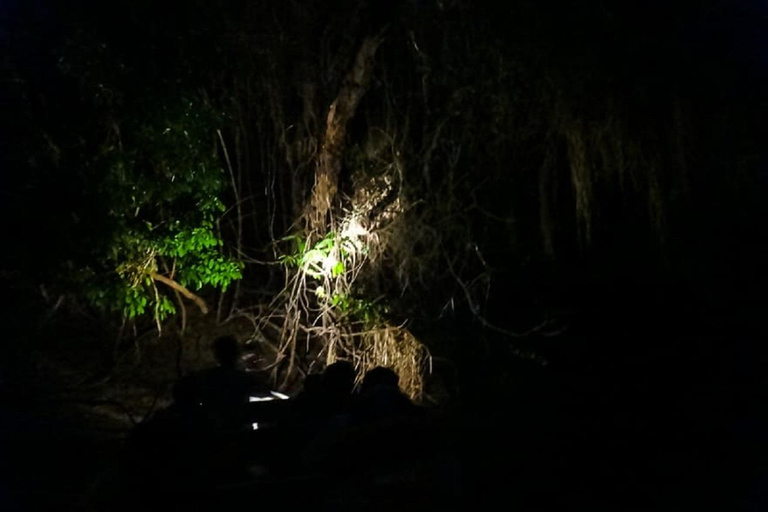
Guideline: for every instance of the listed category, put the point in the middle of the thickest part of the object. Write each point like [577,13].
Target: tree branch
[182,290]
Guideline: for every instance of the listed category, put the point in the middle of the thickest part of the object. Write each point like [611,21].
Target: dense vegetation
[357,181]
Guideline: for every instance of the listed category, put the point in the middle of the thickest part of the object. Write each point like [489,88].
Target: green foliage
[314,261]
[370,313]
[162,184]
[329,261]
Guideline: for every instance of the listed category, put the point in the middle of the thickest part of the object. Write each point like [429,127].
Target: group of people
[207,429]
[218,398]
[332,394]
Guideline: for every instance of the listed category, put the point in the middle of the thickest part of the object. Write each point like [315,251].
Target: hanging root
[396,348]
[318,318]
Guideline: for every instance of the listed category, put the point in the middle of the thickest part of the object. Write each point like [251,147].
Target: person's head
[339,378]
[378,378]
[226,349]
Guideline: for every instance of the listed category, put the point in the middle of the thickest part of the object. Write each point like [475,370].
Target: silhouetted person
[380,377]
[169,451]
[224,390]
[338,382]
[323,417]
[377,424]
[185,415]
[308,403]
[380,397]
[325,395]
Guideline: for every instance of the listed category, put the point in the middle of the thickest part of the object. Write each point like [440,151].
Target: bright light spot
[279,395]
[260,398]
[255,426]
[353,234]
[353,229]
[329,263]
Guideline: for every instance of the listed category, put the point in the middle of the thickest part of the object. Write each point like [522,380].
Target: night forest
[546,219]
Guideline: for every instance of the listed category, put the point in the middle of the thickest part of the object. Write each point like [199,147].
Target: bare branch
[182,290]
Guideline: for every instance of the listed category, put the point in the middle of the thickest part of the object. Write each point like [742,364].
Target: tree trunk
[329,159]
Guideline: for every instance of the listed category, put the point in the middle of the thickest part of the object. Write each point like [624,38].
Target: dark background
[644,390]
